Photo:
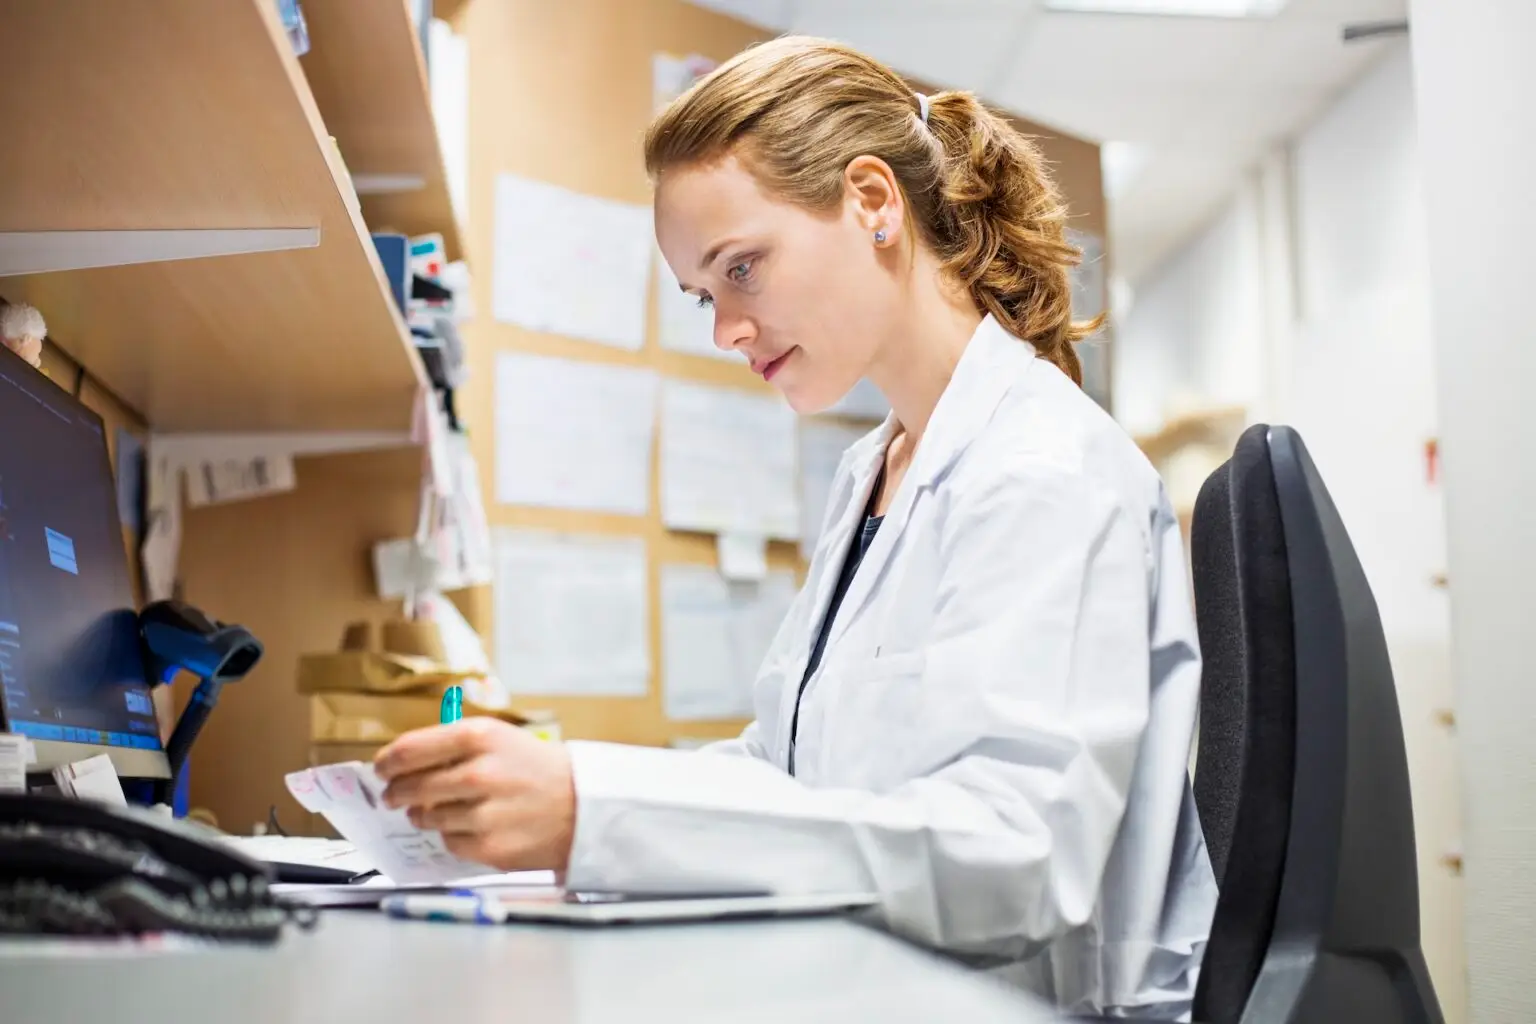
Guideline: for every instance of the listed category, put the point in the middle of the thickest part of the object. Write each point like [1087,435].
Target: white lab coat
[997,739]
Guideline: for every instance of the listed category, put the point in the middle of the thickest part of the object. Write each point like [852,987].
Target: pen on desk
[452,708]
[468,908]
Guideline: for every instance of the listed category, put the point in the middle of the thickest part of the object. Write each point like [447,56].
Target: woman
[981,705]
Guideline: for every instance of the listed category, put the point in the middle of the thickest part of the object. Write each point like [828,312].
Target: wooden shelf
[366,70]
[194,115]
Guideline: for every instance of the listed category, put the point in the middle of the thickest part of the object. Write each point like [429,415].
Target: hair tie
[922,107]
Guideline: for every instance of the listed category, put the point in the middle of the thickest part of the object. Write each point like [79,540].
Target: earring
[880,237]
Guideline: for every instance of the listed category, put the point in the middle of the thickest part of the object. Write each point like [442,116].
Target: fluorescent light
[1172,8]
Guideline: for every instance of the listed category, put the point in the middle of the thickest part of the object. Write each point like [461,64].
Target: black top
[862,539]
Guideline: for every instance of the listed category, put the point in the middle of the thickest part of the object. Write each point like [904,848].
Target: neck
[919,356]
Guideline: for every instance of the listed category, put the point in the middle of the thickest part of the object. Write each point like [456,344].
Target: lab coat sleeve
[748,744]
[1034,686]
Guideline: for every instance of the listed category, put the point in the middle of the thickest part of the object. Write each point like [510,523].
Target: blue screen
[70,663]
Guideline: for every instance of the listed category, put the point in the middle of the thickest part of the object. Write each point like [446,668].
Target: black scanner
[176,637]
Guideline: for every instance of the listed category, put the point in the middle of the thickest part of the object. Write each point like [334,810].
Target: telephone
[73,867]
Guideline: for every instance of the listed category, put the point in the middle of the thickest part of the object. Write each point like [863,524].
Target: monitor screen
[72,677]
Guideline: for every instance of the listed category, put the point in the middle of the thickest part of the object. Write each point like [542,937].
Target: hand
[500,796]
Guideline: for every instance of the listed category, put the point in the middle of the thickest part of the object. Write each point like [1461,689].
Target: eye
[705,301]
[740,272]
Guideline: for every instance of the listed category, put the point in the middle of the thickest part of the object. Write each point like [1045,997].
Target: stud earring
[880,237]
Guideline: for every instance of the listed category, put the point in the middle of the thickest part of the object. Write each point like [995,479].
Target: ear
[871,192]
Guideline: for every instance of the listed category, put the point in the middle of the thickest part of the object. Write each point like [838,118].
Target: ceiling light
[1172,8]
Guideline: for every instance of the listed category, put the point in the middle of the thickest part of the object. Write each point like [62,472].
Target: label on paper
[15,754]
[743,556]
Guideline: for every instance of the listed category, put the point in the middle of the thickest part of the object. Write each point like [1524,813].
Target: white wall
[1196,326]
[1476,89]
[1307,301]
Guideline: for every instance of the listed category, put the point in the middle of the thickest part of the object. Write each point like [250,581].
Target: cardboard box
[375,672]
[376,719]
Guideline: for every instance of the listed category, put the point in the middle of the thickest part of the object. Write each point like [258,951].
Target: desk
[359,966]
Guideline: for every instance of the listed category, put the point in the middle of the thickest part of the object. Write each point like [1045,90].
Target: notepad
[350,796]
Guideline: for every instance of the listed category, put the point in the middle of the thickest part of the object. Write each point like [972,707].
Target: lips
[766,368]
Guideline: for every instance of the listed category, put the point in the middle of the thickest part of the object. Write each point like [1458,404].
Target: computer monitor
[72,675]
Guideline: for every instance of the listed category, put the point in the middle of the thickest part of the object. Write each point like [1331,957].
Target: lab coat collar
[980,381]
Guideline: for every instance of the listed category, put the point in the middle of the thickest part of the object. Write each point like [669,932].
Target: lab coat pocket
[877,714]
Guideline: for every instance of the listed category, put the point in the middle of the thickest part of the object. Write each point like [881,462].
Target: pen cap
[452,708]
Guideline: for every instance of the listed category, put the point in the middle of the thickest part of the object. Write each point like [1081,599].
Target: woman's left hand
[499,795]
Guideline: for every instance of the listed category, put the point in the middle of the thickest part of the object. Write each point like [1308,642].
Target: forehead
[698,205]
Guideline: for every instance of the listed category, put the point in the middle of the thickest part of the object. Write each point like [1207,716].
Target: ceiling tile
[1346,10]
[954,45]
[1133,52]
[1306,53]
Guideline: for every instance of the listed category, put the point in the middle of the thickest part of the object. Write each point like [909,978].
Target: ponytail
[999,224]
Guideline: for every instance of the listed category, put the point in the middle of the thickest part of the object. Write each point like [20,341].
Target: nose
[732,330]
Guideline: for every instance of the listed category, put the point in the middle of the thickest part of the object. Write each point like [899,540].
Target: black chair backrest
[1337,920]
[1244,771]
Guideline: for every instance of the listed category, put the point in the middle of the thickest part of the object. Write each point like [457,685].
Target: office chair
[1301,779]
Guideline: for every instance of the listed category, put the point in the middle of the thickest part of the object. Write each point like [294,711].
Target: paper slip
[15,755]
[350,796]
[95,778]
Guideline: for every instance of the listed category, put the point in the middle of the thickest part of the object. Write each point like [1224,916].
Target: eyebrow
[714,253]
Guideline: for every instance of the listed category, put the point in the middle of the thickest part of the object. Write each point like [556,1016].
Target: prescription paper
[350,796]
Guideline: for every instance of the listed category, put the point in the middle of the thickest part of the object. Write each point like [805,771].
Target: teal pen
[452,708]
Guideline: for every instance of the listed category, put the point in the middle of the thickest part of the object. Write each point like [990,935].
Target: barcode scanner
[177,637]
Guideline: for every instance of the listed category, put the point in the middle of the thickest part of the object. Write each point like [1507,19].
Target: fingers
[460,818]
[467,780]
[434,747]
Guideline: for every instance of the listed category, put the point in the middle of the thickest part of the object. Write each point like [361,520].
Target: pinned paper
[570,264]
[574,434]
[743,556]
[217,480]
[727,461]
[715,636]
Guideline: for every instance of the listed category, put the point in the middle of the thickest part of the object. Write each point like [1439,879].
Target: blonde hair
[796,111]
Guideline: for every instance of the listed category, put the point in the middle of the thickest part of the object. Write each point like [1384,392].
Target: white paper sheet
[350,796]
[15,755]
[715,635]
[728,462]
[94,778]
[743,557]
[450,109]
[571,614]
[574,435]
[864,402]
[822,444]
[683,325]
[214,481]
[571,264]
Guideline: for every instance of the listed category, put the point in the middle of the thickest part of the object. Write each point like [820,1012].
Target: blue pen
[452,708]
[459,906]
